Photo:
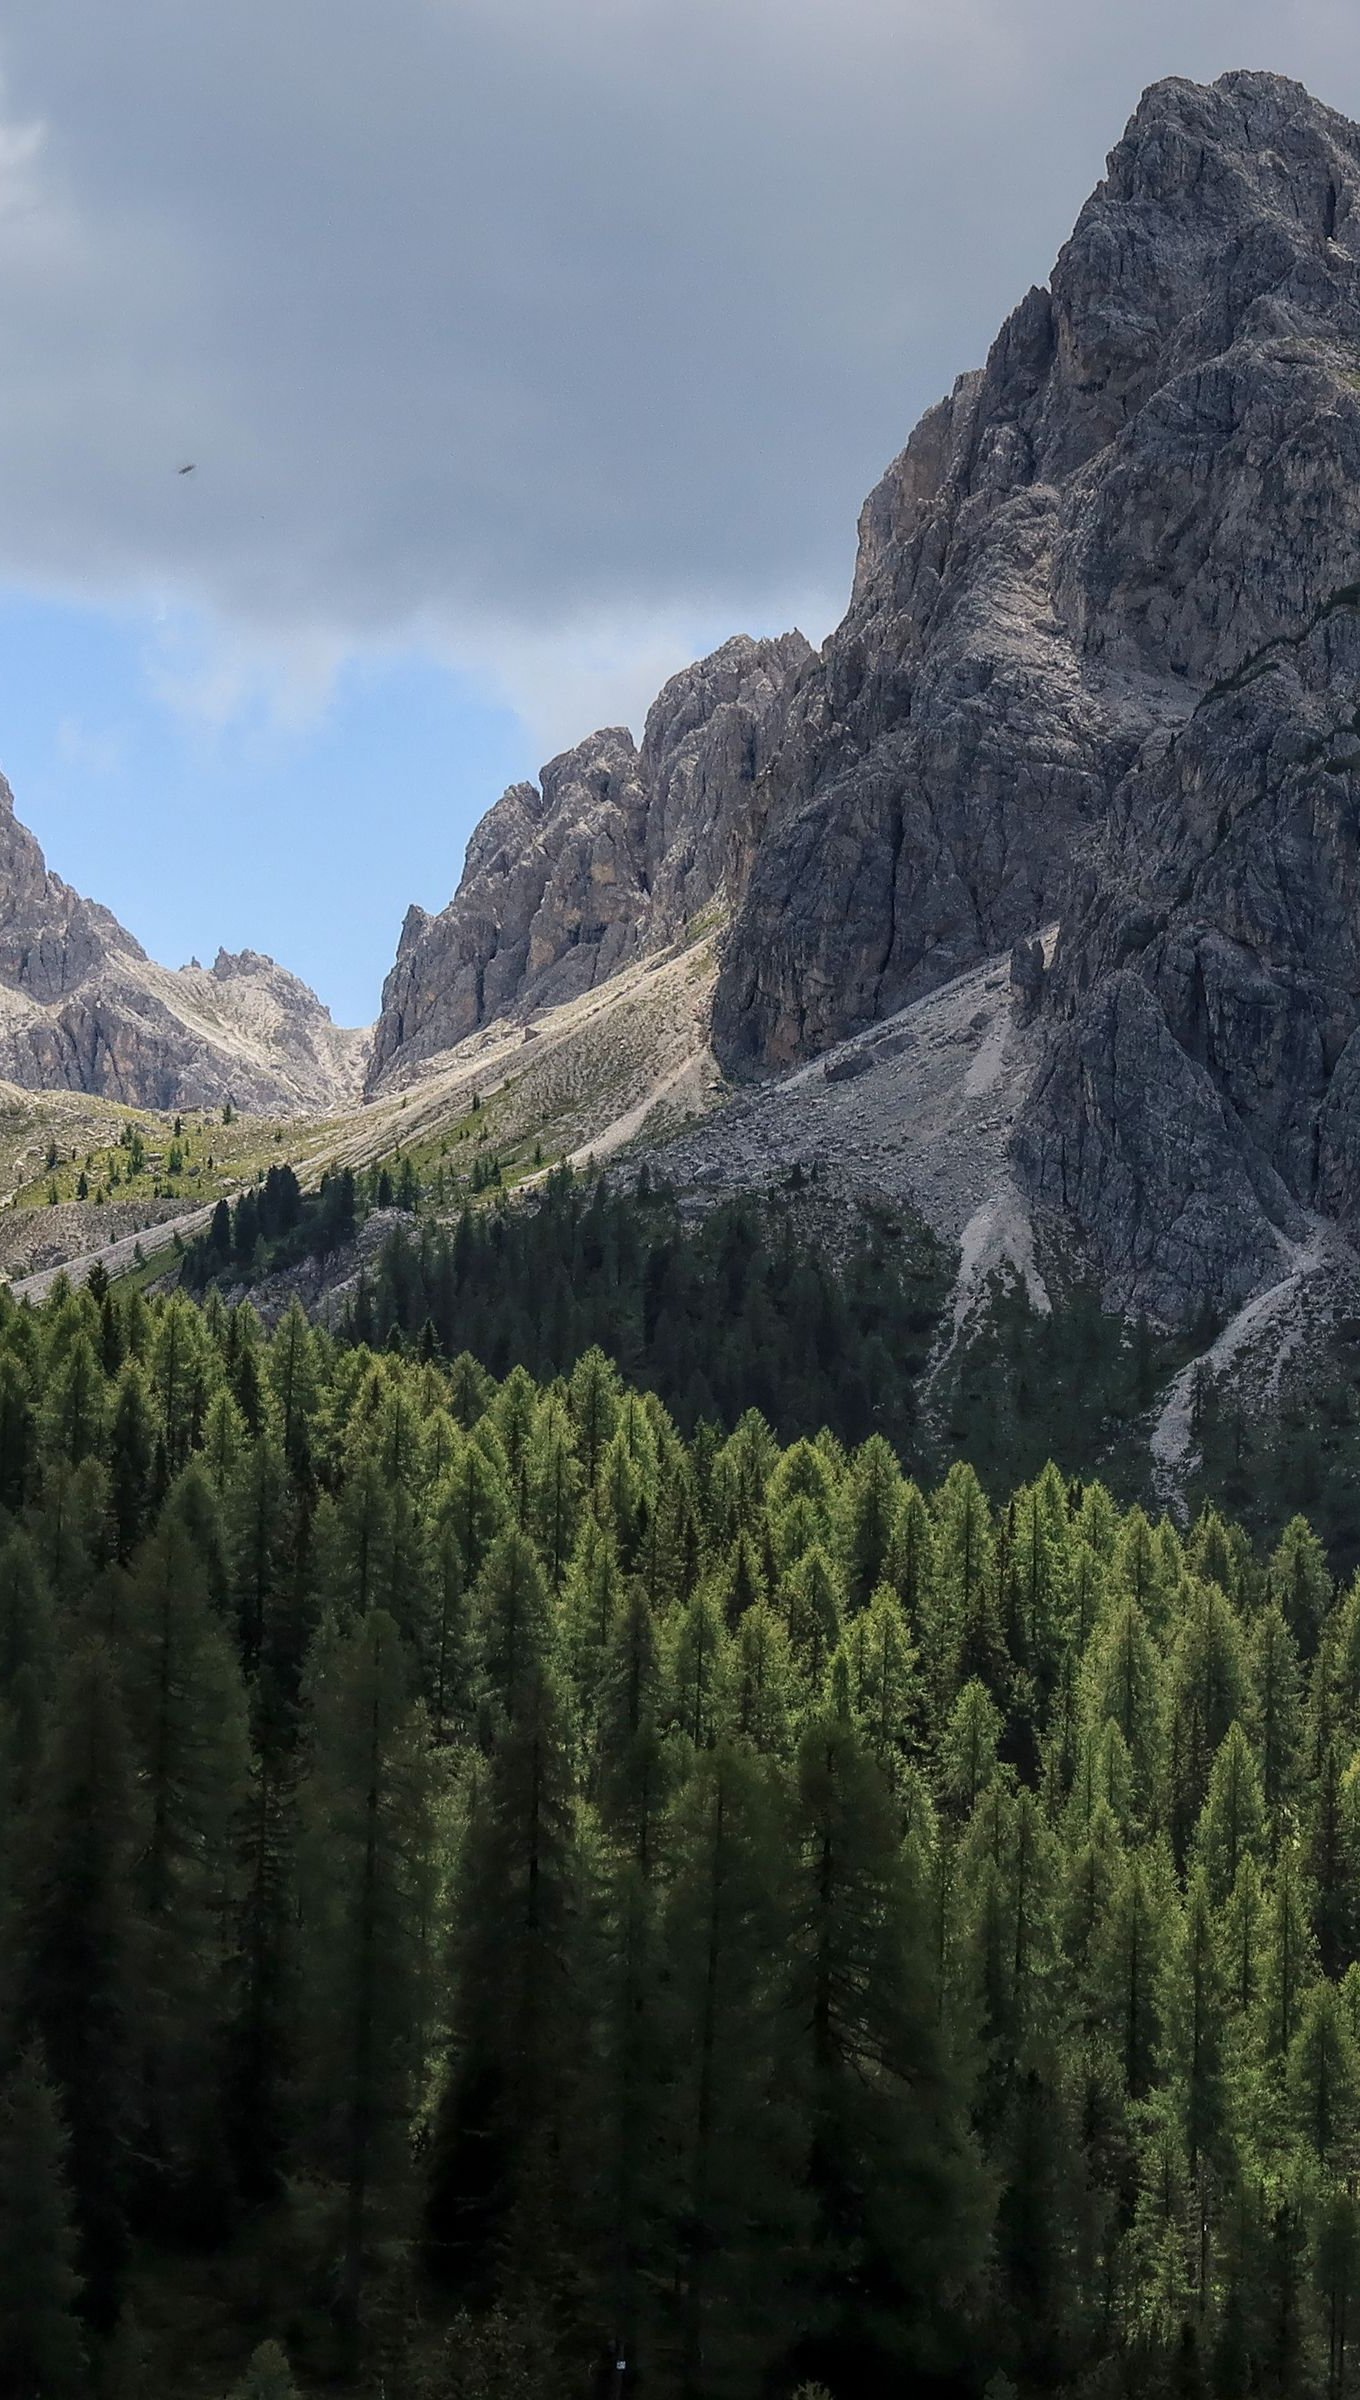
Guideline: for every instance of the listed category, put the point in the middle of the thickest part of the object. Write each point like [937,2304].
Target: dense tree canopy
[499,1896]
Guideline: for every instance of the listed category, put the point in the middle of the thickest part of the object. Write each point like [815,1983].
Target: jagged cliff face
[1153,475]
[1200,1095]
[82,1008]
[1102,664]
[616,850]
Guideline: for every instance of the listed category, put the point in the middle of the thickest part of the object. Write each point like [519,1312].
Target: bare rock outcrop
[615,850]
[1154,474]
[1101,667]
[1199,1097]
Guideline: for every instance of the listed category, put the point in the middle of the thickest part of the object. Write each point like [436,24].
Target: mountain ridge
[1099,597]
[1100,671]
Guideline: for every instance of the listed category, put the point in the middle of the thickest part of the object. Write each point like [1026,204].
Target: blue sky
[524,349]
[305,837]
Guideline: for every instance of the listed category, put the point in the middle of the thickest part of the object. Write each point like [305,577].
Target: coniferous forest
[499,1899]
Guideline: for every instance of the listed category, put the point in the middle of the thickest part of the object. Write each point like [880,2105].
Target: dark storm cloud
[513,317]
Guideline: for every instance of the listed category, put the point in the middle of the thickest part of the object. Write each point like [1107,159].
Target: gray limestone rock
[1101,666]
[615,851]
[1154,474]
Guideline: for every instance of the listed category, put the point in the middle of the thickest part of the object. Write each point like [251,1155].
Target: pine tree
[42,2351]
[726,2207]
[451,1651]
[634,1766]
[261,2055]
[594,1391]
[1324,2077]
[18,1434]
[1289,1965]
[891,2247]
[1277,1717]
[268,2376]
[554,1481]
[293,1377]
[475,1504]
[1208,1687]
[500,2187]
[1123,1680]
[80,1996]
[698,1681]
[187,1713]
[619,2100]
[590,1604]
[759,1700]
[969,1747]
[365,1875]
[1232,1823]
[1300,1584]
[1130,1946]
[257,1517]
[870,1509]
[132,1453]
[886,1691]
[965,1639]
[73,1419]
[513,1614]
[1191,2008]
[811,1606]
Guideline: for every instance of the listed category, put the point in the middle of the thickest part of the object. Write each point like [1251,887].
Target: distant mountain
[82,1008]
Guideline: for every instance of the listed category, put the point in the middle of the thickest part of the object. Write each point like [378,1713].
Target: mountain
[1100,671]
[1095,704]
[617,850]
[82,1008]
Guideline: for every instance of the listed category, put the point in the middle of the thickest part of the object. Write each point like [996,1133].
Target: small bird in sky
[190,469]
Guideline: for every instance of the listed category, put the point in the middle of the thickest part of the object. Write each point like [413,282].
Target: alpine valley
[680,1632]
[1025,916]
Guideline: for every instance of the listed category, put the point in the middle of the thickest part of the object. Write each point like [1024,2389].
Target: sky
[522,350]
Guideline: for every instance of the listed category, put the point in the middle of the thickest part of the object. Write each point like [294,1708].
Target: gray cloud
[550,330]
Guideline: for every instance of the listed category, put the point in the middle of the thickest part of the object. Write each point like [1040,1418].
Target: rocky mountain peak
[1152,476]
[615,850]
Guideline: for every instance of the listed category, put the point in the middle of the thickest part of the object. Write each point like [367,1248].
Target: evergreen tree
[187,1714]
[511,1605]
[1191,2009]
[500,2187]
[1232,1824]
[80,1995]
[889,2253]
[871,1507]
[1324,2077]
[729,2209]
[365,1916]
[268,2376]
[42,2351]
[132,1455]
[969,1747]
[698,1680]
